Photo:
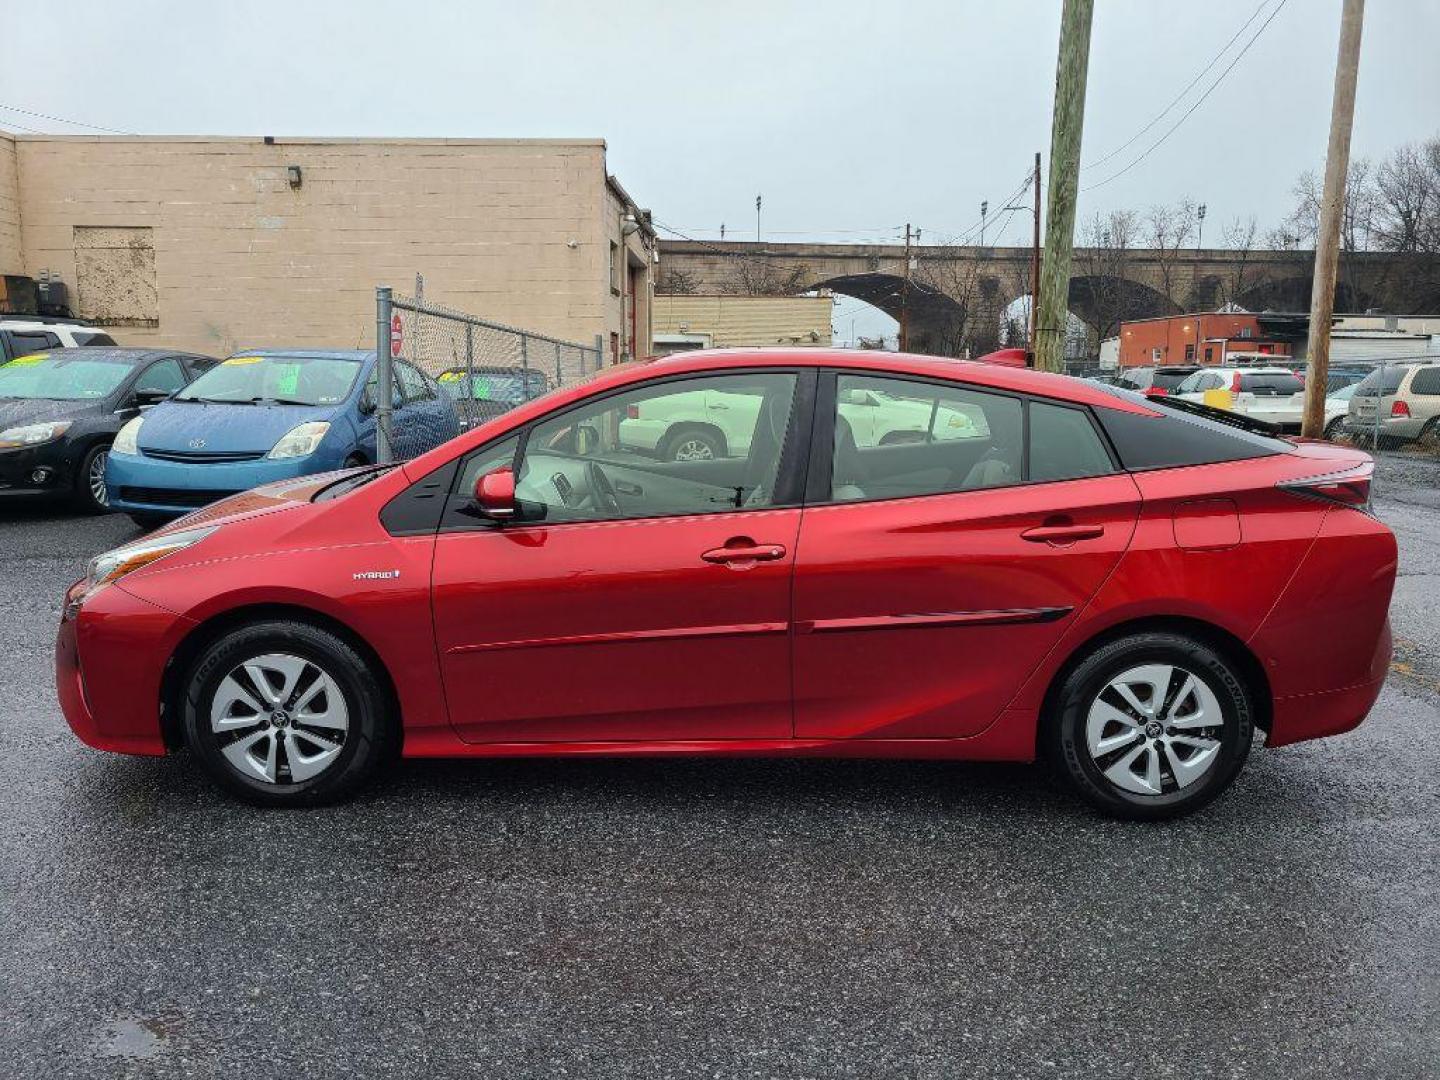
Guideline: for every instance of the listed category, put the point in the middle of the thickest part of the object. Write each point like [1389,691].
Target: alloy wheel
[96,479]
[1155,729]
[279,718]
[693,450]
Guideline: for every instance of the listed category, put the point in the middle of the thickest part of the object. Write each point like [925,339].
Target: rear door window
[1386,380]
[1064,444]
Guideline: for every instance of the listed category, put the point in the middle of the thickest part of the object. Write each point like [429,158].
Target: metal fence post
[469,384]
[599,351]
[559,378]
[384,377]
[525,365]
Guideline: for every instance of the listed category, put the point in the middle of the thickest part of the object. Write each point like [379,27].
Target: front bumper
[110,658]
[149,485]
[19,468]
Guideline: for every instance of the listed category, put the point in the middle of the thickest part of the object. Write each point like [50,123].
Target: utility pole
[1332,205]
[904,341]
[1034,268]
[1065,128]
[757,219]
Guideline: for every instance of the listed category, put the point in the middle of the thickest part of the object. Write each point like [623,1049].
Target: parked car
[1275,395]
[23,335]
[1337,410]
[483,393]
[1155,381]
[708,424]
[1406,398]
[60,411]
[267,415]
[1338,378]
[1100,578]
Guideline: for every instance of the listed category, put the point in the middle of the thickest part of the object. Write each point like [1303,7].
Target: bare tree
[1103,267]
[945,299]
[678,283]
[1356,220]
[1405,221]
[761,277]
[1242,275]
[1169,229]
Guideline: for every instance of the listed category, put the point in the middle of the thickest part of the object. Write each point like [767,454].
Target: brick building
[1200,338]
[214,244]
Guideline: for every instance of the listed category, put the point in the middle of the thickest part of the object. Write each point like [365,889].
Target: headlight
[32,434]
[126,437]
[113,565]
[300,441]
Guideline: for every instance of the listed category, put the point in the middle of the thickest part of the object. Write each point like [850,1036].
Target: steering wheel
[602,492]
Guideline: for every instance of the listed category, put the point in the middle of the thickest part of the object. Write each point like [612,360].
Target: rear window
[1385,379]
[1276,384]
[1176,438]
[1168,380]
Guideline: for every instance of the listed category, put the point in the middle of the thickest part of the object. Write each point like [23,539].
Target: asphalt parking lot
[717,918]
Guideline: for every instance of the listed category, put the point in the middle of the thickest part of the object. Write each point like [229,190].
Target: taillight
[1399,408]
[632,412]
[1235,383]
[1348,487]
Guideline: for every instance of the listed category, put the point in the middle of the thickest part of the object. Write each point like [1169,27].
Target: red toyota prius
[763,552]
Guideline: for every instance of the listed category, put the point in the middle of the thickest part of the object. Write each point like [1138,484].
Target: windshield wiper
[1223,416]
[216,400]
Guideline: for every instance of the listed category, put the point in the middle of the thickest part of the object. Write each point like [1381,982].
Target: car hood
[180,425]
[265,499]
[17,411]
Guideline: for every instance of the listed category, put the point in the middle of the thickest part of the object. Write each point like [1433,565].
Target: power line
[61,120]
[1188,87]
[1199,101]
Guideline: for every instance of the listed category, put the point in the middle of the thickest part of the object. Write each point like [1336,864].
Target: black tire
[149,522]
[83,496]
[367,741]
[692,443]
[1066,734]
[1335,430]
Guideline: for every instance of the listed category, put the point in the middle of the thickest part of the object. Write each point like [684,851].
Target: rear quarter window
[1426,381]
[1173,439]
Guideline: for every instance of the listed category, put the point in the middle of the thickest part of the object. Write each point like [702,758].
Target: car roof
[310,354]
[21,323]
[113,354]
[972,372]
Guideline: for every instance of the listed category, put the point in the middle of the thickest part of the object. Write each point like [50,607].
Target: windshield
[275,380]
[58,378]
[1345,393]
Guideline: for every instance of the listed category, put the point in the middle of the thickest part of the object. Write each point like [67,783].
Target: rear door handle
[744,551]
[1062,534]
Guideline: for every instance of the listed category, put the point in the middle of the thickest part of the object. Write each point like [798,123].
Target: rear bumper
[1334,712]
[1395,427]
[109,662]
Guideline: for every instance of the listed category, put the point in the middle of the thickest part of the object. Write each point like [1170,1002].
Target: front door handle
[1062,534]
[744,551]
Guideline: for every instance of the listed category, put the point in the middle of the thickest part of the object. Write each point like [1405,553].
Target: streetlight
[984,209]
[1200,232]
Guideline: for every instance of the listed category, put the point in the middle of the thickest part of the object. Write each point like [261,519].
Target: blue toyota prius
[266,415]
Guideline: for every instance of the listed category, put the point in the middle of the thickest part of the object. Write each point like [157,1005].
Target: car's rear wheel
[1152,726]
[1335,430]
[90,496]
[286,714]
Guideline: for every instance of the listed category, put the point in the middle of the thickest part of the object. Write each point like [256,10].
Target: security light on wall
[293,172]
[628,225]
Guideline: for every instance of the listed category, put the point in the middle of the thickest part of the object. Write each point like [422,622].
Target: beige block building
[703,321]
[216,244]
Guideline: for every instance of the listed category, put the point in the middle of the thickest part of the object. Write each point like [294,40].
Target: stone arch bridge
[958,295]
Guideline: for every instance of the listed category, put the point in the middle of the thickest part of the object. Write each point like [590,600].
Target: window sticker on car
[32,359]
[236,361]
[449,376]
[287,380]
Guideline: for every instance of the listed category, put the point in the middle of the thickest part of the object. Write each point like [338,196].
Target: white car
[21,336]
[1275,395]
[711,424]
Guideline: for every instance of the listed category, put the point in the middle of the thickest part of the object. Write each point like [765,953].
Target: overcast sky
[850,117]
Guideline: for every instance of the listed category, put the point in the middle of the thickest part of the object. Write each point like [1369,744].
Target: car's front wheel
[91,496]
[1151,726]
[286,714]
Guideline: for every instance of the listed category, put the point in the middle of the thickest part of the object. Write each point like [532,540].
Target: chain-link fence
[485,368]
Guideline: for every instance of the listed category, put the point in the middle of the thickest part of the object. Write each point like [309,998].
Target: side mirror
[495,495]
[367,402]
[145,398]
